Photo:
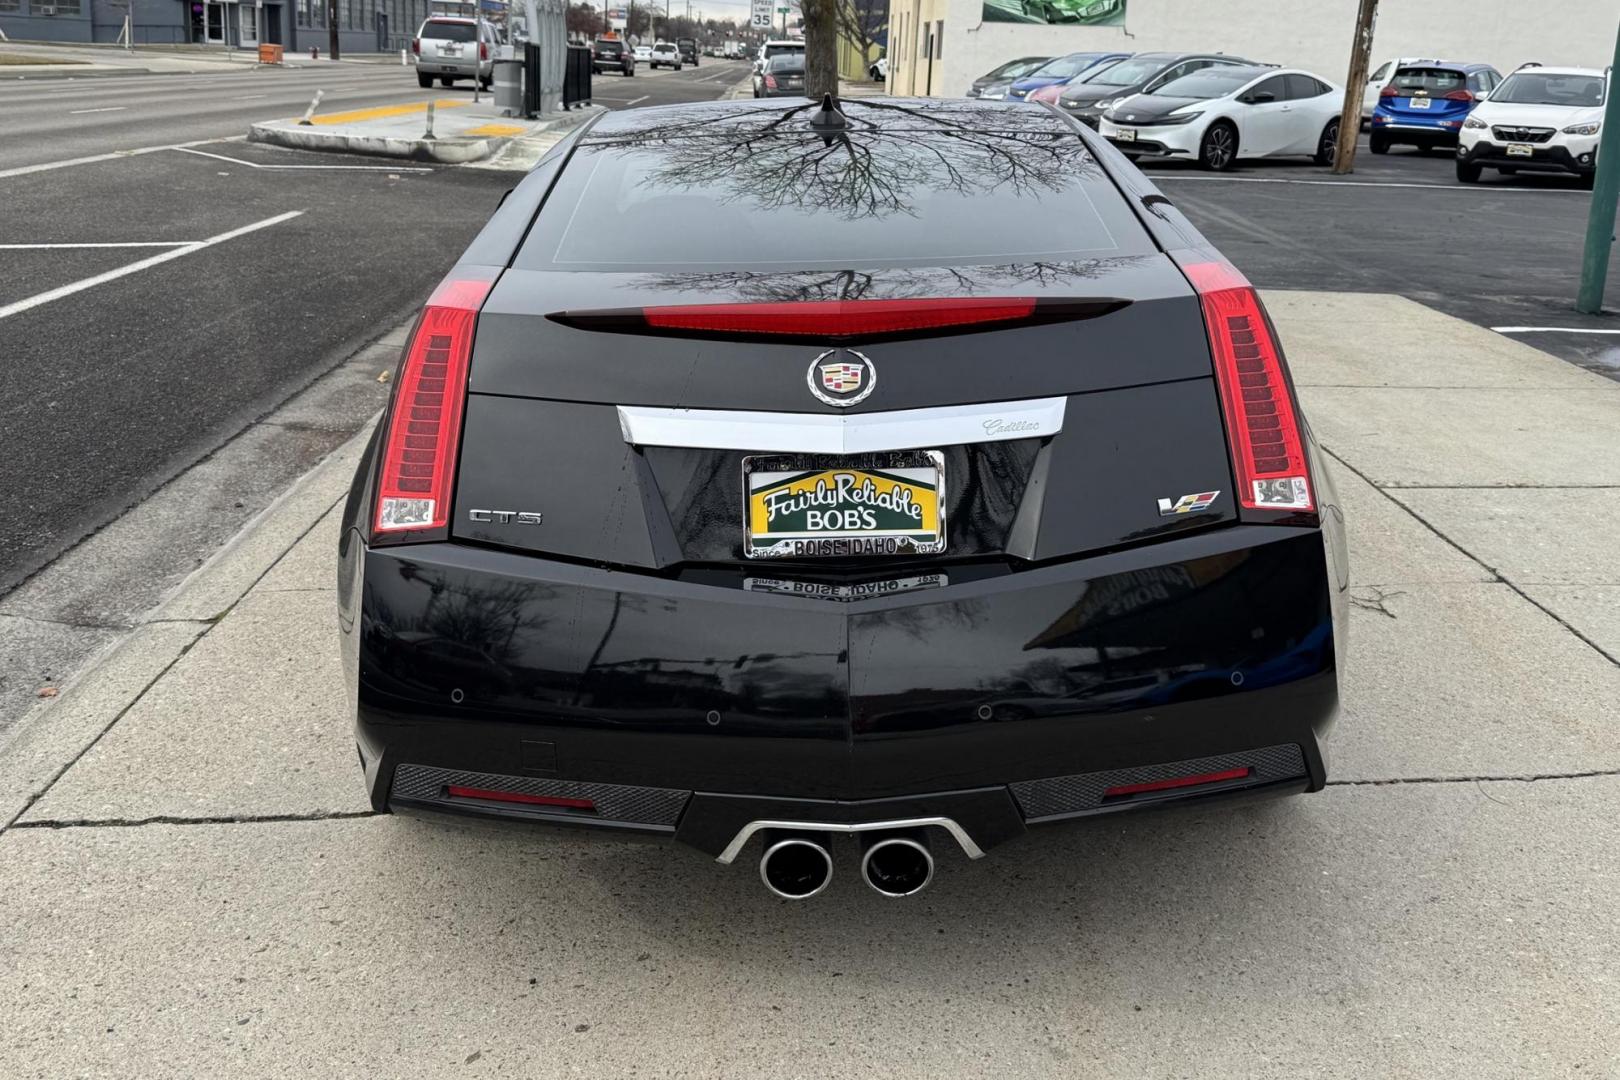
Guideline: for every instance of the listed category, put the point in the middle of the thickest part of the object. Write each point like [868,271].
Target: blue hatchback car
[1060,70]
[1424,104]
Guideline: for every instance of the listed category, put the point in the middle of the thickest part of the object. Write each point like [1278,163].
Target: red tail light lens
[770,82]
[1388,91]
[1262,425]
[1460,95]
[483,51]
[1177,782]
[416,46]
[491,795]
[424,423]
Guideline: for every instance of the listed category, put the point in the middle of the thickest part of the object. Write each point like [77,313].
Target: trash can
[509,85]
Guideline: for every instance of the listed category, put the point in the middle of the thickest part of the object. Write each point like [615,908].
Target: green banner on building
[1057,12]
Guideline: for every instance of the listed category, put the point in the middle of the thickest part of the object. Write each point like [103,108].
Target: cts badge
[506,517]
[1187,504]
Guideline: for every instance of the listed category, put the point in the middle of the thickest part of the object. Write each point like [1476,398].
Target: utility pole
[332,30]
[1355,84]
[1600,217]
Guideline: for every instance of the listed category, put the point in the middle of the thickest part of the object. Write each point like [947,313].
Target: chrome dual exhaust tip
[795,866]
[897,864]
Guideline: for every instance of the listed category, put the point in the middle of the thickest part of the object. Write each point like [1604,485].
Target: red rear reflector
[518,797]
[424,423]
[1177,782]
[840,318]
[1262,426]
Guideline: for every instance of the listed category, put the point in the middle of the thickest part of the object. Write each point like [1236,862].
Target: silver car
[449,48]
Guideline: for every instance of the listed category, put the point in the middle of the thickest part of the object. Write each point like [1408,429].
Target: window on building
[10,5]
[68,7]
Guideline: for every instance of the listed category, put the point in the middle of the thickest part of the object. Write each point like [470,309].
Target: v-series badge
[506,517]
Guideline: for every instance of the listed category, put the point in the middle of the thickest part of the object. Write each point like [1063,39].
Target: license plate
[1519,149]
[809,506]
[1124,135]
[1418,103]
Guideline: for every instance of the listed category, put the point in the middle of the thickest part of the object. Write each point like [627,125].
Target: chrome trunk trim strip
[813,433]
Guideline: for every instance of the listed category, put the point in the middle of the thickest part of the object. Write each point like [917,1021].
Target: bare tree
[820,46]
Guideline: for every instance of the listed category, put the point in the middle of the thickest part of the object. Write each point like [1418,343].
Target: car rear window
[779,50]
[448,31]
[788,201]
[611,48]
[1066,67]
[1550,88]
[786,62]
[1433,81]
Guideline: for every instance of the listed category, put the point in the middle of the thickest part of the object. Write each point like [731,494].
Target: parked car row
[1217,109]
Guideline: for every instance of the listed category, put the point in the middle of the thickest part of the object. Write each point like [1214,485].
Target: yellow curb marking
[384,111]
[496,129]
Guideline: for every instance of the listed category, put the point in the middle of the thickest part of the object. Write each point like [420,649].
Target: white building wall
[1312,34]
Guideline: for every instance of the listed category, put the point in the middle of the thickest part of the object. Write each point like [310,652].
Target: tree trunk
[820,47]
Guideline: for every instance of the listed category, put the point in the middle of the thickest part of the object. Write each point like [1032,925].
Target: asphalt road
[119,386]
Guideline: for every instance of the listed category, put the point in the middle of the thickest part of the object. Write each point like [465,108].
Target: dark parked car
[783,76]
[998,80]
[647,542]
[688,49]
[611,54]
[1088,97]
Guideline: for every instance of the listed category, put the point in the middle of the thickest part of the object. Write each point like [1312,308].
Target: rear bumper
[690,706]
[1416,132]
[1544,157]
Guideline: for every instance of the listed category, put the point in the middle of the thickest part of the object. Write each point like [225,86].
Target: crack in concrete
[173,819]
[67,624]
[1509,778]
[1496,575]
[1378,602]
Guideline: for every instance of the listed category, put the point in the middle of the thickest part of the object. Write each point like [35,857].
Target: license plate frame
[1520,149]
[884,485]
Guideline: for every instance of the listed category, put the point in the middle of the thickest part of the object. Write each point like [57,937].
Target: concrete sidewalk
[454,131]
[194,884]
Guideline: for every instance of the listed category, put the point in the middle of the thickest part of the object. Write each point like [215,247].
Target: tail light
[456,791]
[1388,91]
[1262,423]
[1460,95]
[770,82]
[483,50]
[416,46]
[424,421]
[1124,790]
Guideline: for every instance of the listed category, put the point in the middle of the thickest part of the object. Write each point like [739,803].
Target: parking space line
[351,168]
[106,108]
[1476,188]
[39,299]
[47,166]
[634,101]
[69,247]
[1550,330]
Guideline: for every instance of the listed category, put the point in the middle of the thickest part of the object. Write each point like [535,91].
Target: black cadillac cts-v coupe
[768,471]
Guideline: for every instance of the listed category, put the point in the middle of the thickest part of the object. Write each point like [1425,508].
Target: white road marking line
[123,271]
[1483,190]
[252,97]
[47,166]
[107,108]
[1549,330]
[256,165]
[634,101]
[131,244]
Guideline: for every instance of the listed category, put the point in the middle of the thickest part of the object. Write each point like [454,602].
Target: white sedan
[643,53]
[1221,115]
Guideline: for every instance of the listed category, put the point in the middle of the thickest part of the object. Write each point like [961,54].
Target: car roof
[1546,69]
[1461,65]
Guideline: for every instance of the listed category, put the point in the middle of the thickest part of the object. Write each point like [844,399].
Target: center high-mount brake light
[830,321]
[424,423]
[1262,425]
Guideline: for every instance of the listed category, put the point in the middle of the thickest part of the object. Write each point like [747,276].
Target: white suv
[1541,119]
[666,55]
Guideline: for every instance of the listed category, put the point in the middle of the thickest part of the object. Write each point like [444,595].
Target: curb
[52,736]
[449,150]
